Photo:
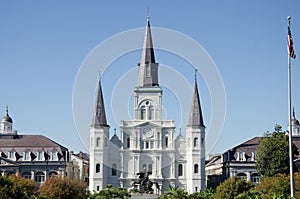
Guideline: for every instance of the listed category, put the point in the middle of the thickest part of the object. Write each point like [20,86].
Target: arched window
[53,174]
[255,178]
[98,142]
[151,113]
[39,177]
[242,175]
[97,168]
[26,175]
[195,142]
[180,170]
[143,113]
[114,170]
[196,168]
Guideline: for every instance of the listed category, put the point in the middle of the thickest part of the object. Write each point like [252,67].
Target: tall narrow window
[166,141]
[196,168]
[114,170]
[180,170]
[148,70]
[98,141]
[151,113]
[128,142]
[150,168]
[143,113]
[195,142]
[97,168]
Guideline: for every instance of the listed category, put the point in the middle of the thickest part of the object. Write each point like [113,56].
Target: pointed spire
[148,69]
[196,118]
[148,51]
[99,119]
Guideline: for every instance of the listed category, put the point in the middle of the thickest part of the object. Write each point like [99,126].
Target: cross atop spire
[99,119]
[196,118]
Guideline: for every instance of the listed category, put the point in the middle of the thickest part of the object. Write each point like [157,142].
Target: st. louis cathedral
[147,143]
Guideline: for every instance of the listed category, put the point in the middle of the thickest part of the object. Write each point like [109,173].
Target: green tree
[174,193]
[63,188]
[207,194]
[272,156]
[110,192]
[278,186]
[232,187]
[16,187]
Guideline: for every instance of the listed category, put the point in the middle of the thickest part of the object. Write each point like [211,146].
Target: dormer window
[53,155]
[40,156]
[26,155]
[253,156]
[11,155]
[241,156]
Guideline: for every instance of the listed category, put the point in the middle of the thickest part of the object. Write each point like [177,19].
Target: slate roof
[196,118]
[32,143]
[27,141]
[99,118]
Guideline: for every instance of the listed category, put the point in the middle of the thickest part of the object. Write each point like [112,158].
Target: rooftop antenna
[148,13]
[6,110]
[196,70]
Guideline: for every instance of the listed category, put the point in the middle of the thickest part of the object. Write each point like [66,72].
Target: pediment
[181,159]
[148,124]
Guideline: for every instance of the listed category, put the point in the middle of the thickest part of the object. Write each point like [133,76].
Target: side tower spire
[148,75]
[195,137]
[196,118]
[99,119]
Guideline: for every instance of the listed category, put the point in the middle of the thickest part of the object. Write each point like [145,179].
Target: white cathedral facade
[147,143]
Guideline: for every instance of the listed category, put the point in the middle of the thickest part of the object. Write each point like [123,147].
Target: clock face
[147,132]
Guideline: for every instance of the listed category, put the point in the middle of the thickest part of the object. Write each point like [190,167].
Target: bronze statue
[145,183]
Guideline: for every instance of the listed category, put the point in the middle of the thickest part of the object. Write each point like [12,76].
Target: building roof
[32,143]
[6,117]
[99,118]
[27,141]
[196,118]
[83,156]
[148,69]
[148,50]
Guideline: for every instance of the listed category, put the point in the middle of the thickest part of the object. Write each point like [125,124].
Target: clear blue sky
[44,43]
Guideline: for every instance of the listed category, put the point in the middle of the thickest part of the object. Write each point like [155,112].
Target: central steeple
[148,69]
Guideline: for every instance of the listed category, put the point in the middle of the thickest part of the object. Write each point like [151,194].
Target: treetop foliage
[272,155]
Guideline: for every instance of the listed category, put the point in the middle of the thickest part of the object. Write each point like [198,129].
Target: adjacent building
[148,143]
[240,160]
[32,156]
